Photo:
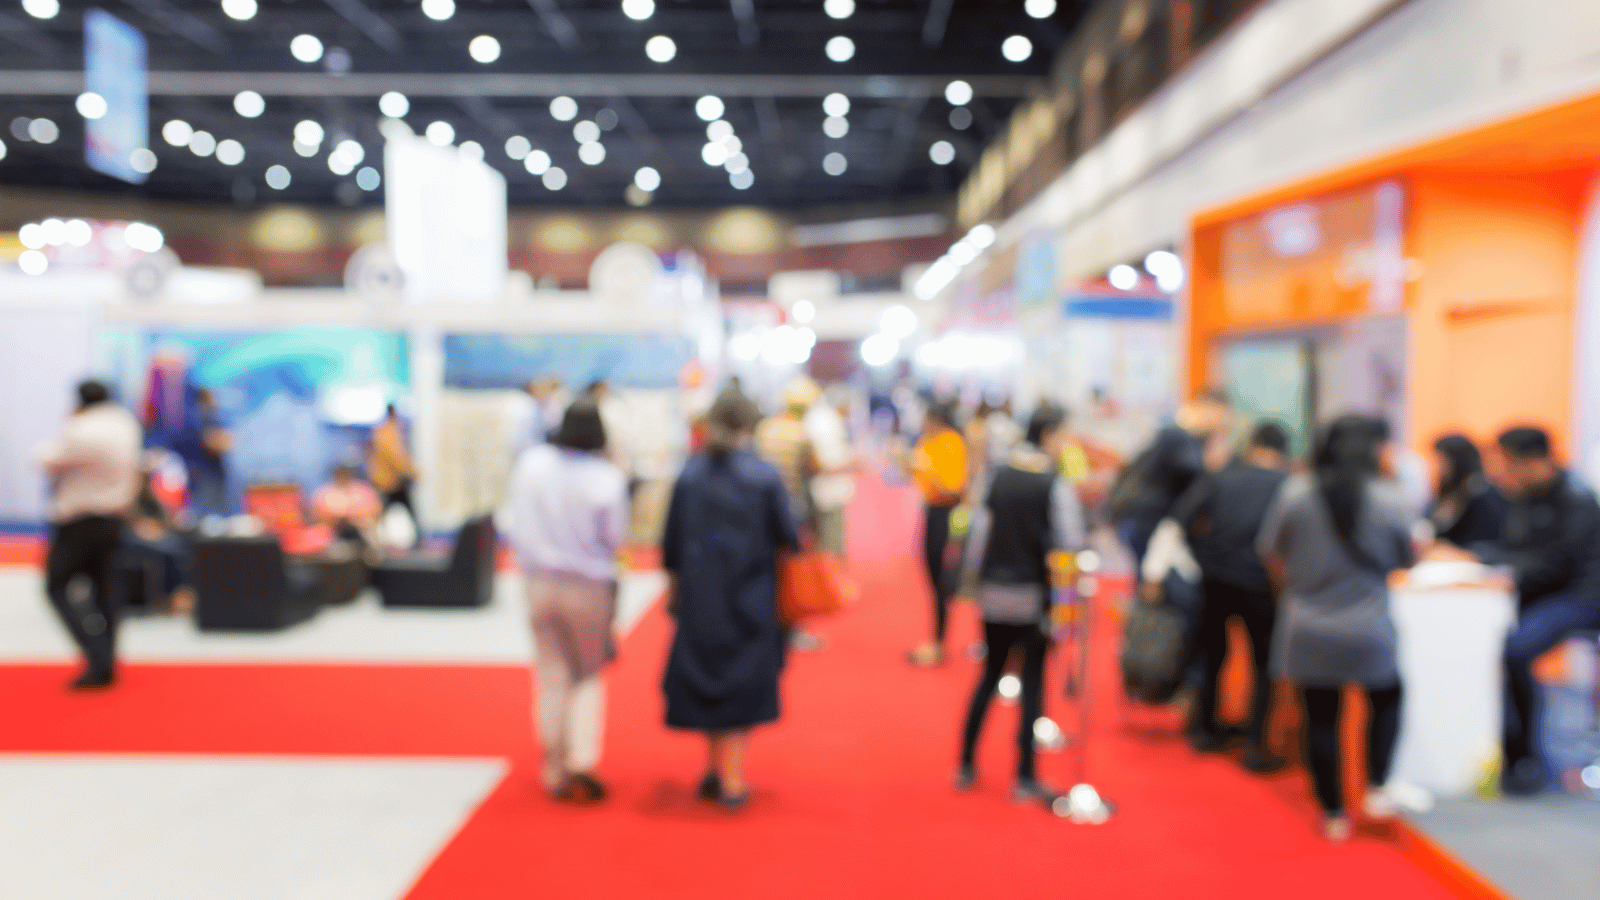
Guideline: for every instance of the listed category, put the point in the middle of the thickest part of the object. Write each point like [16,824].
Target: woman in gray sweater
[1331,540]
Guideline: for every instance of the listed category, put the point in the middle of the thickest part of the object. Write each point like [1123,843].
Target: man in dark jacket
[1551,542]
[1168,467]
[1221,516]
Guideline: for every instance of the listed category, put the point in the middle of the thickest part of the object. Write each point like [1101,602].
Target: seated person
[1551,542]
[1467,509]
[152,544]
[349,506]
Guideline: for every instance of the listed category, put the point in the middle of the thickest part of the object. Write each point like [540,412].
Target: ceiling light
[840,49]
[146,238]
[368,178]
[836,105]
[201,143]
[19,128]
[441,134]
[638,10]
[471,150]
[647,179]
[142,161]
[394,105]
[879,350]
[564,109]
[660,49]
[230,153]
[537,162]
[714,154]
[836,126]
[2,149]
[239,10]
[1040,9]
[91,105]
[943,153]
[277,178]
[592,154]
[41,9]
[607,119]
[839,9]
[306,48]
[736,163]
[352,149]
[898,321]
[307,149]
[732,144]
[32,262]
[555,178]
[31,236]
[79,234]
[958,93]
[339,164]
[55,231]
[709,108]
[517,146]
[803,311]
[961,118]
[1123,277]
[1016,48]
[438,10]
[307,132]
[44,131]
[719,130]
[835,164]
[484,48]
[586,132]
[249,104]
[742,181]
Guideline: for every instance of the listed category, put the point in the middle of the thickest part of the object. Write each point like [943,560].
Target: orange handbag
[812,583]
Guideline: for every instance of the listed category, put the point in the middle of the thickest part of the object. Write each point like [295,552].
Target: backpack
[1155,645]
[1129,486]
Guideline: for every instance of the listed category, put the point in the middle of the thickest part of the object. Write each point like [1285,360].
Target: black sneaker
[735,802]
[1204,740]
[1032,790]
[581,790]
[1524,778]
[966,778]
[91,681]
[1262,762]
[710,789]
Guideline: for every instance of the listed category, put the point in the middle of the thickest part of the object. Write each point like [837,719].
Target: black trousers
[401,495]
[935,534]
[1258,611]
[87,546]
[1322,739]
[1035,646]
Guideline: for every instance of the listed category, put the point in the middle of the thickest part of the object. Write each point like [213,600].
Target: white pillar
[1586,326]
[426,351]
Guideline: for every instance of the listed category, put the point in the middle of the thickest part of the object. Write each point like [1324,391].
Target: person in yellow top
[939,467]
[390,467]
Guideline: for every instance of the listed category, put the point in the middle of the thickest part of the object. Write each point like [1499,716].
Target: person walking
[727,520]
[834,485]
[1032,511]
[1466,509]
[1331,540]
[390,465]
[1165,469]
[568,519]
[93,468]
[939,467]
[1221,516]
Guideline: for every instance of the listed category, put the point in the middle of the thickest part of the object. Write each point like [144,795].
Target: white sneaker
[1336,829]
[1380,806]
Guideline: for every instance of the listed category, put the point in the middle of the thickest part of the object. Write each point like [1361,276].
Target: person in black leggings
[1323,707]
[1031,511]
[939,465]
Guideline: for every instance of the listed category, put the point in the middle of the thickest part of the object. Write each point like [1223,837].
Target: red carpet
[852,787]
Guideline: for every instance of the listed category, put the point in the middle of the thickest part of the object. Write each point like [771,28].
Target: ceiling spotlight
[836,105]
[368,178]
[586,132]
[146,238]
[2,149]
[517,146]
[839,9]
[41,9]
[307,149]
[484,49]
[230,153]
[1016,48]
[79,234]
[840,49]
[142,160]
[394,105]
[55,231]
[555,178]
[836,126]
[277,178]
[647,179]
[607,119]
[91,105]
[31,236]
[943,153]
[306,48]
[308,132]
[33,262]
[564,109]
[438,10]
[720,130]
[958,93]
[537,162]
[1040,9]
[638,10]
[339,164]
[660,49]
[714,154]
[879,350]
[835,164]
[471,150]
[44,131]
[249,104]
[803,311]
[592,154]
[961,118]
[441,134]
[709,108]
[239,10]
[19,128]
[732,144]
[742,181]
[1123,277]
[353,150]
[737,162]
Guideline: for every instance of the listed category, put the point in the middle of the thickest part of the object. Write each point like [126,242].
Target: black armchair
[248,584]
[463,580]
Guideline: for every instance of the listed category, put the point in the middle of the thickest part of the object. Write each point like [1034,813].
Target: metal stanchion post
[1084,804]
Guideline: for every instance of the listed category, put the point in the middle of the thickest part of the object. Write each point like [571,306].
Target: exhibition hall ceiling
[781,103]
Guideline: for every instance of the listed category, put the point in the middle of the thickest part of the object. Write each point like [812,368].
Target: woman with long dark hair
[1467,509]
[728,519]
[1331,540]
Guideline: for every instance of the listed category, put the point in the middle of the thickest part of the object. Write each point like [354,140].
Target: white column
[1586,326]
[426,351]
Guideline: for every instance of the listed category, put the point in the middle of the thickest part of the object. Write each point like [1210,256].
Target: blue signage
[116,67]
